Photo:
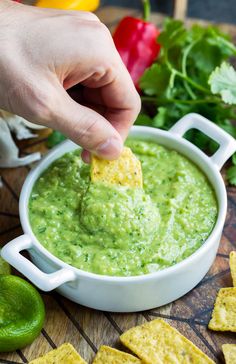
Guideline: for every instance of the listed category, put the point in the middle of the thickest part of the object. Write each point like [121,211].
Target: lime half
[22,313]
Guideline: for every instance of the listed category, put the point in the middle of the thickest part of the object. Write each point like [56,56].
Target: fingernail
[86,156]
[110,149]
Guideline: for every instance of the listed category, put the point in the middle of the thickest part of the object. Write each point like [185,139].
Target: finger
[76,93]
[92,98]
[86,156]
[120,118]
[123,100]
[119,97]
[112,85]
[86,128]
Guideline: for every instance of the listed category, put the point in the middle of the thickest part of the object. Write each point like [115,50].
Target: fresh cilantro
[55,138]
[231,172]
[234,159]
[223,82]
[191,74]
[156,80]
[160,119]
[174,33]
[143,119]
[231,175]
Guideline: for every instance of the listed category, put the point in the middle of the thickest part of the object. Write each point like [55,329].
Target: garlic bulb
[9,151]
[19,126]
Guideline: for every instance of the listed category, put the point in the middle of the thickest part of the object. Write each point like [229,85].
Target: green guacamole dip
[119,231]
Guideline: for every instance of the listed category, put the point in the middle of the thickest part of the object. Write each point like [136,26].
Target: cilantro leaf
[159,119]
[205,56]
[223,82]
[174,33]
[221,40]
[234,159]
[228,126]
[143,119]
[231,175]
[196,32]
[155,80]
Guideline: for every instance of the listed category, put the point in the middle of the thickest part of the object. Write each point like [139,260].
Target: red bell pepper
[136,42]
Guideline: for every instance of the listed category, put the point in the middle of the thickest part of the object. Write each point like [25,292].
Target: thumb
[87,128]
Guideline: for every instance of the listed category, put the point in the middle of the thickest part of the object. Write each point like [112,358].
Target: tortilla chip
[65,354]
[224,313]
[156,342]
[124,171]
[107,355]
[229,351]
[232,264]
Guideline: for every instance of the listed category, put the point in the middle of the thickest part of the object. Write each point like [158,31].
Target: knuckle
[104,31]
[105,73]
[137,103]
[42,108]
[35,104]
[135,107]
[87,132]
[92,17]
[86,15]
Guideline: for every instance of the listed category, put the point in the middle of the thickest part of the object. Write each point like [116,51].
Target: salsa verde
[119,231]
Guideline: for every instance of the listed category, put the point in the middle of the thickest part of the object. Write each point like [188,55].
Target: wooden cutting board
[87,329]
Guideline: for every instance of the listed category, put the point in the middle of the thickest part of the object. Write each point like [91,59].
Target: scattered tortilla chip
[65,354]
[156,342]
[229,351]
[224,313]
[232,264]
[107,355]
[124,171]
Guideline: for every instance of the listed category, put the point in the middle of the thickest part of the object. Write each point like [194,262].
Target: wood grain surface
[87,329]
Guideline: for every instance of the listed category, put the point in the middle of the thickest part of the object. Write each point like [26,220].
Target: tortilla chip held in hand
[107,355]
[124,171]
[65,354]
[224,313]
[156,342]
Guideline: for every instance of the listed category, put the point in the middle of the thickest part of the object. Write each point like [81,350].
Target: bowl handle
[44,281]
[227,144]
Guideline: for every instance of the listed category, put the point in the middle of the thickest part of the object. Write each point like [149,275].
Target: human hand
[44,52]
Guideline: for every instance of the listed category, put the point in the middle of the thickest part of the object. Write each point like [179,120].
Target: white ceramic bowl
[127,294]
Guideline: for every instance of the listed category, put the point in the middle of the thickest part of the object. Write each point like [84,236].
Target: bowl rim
[210,241]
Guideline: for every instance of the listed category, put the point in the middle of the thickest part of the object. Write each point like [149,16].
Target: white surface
[127,294]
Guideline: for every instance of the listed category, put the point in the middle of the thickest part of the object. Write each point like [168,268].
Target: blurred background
[220,11]
[214,10]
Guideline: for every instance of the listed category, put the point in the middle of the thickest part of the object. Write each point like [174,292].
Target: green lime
[22,313]
[4,266]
